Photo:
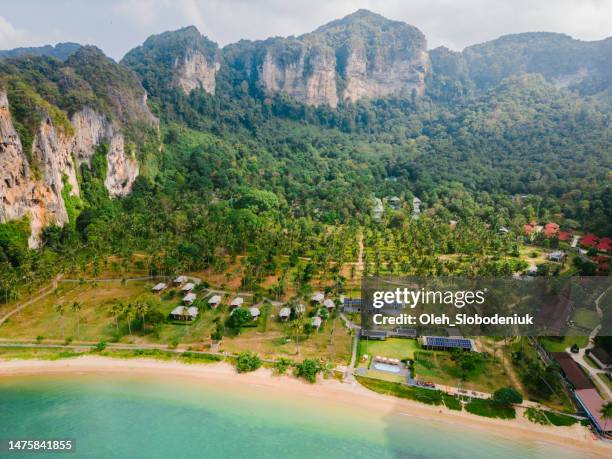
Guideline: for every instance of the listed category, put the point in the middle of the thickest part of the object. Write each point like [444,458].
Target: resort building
[374,334]
[329,303]
[180,280]
[214,301]
[572,371]
[188,287]
[189,298]
[184,313]
[557,256]
[601,358]
[592,403]
[445,343]
[352,304]
[236,302]
[318,297]
[159,287]
[254,312]
[316,322]
[284,314]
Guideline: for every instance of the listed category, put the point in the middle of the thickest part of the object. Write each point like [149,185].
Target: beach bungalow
[300,309]
[214,301]
[318,297]
[254,312]
[159,287]
[557,256]
[184,313]
[189,298]
[180,280]
[605,244]
[329,304]
[284,314]
[236,302]
[588,241]
[188,287]
[316,322]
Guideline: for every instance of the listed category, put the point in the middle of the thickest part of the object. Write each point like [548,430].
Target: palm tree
[116,311]
[129,315]
[76,308]
[142,308]
[606,413]
[59,308]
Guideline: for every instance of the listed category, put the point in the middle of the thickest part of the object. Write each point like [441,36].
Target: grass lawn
[548,417]
[487,408]
[385,376]
[431,397]
[396,348]
[560,345]
[586,318]
[438,367]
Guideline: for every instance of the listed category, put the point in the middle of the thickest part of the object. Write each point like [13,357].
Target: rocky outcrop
[32,185]
[360,56]
[196,71]
[34,190]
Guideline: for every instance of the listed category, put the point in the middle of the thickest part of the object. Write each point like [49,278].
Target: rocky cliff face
[361,56]
[182,58]
[32,185]
[195,70]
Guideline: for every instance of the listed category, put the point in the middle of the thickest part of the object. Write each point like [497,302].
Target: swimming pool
[386,367]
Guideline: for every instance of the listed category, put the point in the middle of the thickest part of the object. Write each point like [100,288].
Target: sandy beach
[330,392]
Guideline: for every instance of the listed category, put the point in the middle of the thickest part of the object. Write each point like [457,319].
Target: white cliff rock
[196,71]
[33,188]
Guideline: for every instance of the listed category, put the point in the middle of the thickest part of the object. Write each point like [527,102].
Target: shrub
[507,396]
[308,370]
[247,361]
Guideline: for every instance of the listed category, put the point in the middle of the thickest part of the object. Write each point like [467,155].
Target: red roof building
[605,244]
[589,240]
[565,236]
[528,229]
[551,229]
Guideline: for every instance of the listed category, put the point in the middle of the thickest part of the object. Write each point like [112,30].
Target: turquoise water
[138,417]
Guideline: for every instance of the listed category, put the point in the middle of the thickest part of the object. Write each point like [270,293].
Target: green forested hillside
[248,172]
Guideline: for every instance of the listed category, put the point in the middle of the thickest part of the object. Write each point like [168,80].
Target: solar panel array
[442,341]
[352,302]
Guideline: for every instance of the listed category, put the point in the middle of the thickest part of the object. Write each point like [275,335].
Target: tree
[76,308]
[247,361]
[507,396]
[129,313]
[116,310]
[59,308]
[238,318]
[308,370]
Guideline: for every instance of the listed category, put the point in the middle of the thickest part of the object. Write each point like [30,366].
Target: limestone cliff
[182,58]
[360,56]
[194,71]
[31,185]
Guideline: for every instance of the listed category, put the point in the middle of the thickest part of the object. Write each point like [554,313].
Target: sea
[136,416]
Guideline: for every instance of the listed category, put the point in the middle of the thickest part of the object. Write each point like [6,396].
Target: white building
[254,312]
[318,297]
[316,322]
[237,302]
[180,280]
[184,313]
[284,313]
[189,298]
[215,300]
[188,287]
[159,287]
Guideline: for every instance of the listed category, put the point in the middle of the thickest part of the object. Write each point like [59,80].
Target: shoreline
[326,390]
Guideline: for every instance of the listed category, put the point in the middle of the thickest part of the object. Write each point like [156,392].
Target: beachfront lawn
[396,348]
[554,344]
[544,417]
[490,409]
[487,375]
[586,318]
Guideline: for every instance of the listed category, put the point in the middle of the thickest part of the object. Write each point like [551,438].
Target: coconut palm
[129,313]
[59,308]
[76,308]
[116,311]
[142,308]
